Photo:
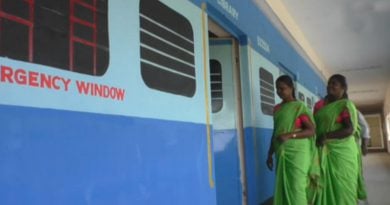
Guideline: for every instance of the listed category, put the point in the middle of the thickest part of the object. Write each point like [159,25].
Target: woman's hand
[283,138]
[270,162]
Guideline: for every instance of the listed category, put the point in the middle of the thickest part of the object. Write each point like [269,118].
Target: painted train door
[227,122]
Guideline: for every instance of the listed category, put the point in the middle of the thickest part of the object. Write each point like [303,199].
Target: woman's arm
[271,151]
[307,131]
[344,132]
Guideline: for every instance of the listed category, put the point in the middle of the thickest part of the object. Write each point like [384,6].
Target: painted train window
[216,85]
[267,91]
[301,96]
[309,102]
[66,34]
[167,49]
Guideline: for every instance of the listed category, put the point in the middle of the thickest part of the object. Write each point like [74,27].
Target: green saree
[294,157]
[341,176]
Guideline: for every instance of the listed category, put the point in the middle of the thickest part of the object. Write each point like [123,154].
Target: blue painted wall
[227,167]
[67,148]
[61,157]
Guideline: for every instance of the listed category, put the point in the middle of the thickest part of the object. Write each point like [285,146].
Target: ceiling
[350,37]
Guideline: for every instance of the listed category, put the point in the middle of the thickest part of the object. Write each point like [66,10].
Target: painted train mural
[140,101]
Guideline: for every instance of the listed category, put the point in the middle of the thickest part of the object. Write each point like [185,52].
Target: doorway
[228,135]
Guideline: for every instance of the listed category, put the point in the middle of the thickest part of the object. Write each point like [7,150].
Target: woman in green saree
[294,145]
[337,127]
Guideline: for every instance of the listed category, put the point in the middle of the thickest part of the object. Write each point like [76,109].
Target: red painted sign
[23,77]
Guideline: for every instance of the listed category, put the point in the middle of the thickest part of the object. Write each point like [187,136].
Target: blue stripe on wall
[60,157]
[227,167]
[260,181]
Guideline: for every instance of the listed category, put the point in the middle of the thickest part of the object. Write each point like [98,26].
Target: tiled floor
[377,175]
